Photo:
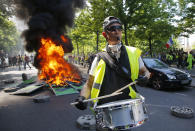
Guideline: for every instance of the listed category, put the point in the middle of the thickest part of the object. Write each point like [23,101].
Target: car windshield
[155,63]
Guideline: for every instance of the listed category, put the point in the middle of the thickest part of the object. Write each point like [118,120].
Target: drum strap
[113,64]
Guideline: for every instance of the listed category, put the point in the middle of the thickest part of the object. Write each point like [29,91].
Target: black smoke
[47,18]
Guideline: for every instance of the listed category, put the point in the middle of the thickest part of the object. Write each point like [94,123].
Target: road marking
[165,106]
[180,94]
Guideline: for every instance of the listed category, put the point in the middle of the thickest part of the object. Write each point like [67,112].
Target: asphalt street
[20,113]
[159,103]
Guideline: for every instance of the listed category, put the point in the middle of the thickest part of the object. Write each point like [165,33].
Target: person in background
[26,61]
[19,61]
[190,60]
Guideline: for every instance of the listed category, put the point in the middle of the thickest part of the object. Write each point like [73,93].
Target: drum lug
[131,114]
[145,110]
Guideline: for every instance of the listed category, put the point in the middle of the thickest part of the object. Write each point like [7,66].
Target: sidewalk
[12,73]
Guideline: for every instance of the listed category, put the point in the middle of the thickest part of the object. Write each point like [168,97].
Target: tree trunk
[97,40]
[150,44]
[125,30]
[77,49]
[83,50]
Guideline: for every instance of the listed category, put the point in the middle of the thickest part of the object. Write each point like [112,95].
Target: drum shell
[123,114]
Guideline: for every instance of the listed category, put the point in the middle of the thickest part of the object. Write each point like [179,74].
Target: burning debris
[47,21]
[53,66]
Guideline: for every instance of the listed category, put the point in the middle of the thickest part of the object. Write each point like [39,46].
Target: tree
[81,32]
[150,22]
[154,23]
[8,34]
[125,10]
[97,12]
[186,22]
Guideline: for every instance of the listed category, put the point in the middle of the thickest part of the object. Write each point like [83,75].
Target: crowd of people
[83,60]
[17,60]
[179,58]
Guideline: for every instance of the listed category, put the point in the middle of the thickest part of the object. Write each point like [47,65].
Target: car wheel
[182,112]
[157,83]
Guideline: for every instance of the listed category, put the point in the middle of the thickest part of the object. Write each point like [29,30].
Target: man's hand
[81,105]
[142,80]
[144,72]
[84,94]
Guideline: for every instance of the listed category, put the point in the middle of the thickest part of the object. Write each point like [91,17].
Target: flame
[54,68]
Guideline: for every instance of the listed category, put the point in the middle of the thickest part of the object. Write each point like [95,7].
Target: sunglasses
[114,28]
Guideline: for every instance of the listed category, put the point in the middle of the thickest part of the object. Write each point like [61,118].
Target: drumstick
[98,98]
[132,83]
[119,90]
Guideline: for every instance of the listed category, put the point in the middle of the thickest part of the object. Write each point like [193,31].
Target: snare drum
[121,115]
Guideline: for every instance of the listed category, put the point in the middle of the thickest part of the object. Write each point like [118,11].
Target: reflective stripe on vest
[133,55]
[99,76]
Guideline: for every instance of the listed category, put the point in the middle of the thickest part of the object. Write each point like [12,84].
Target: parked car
[164,76]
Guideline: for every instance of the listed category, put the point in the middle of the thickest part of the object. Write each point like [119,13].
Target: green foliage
[8,34]
[186,23]
[153,23]
[146,22]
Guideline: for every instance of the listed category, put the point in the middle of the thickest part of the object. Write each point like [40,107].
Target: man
[113,69]
[26,61]
[19,60]
[190,60]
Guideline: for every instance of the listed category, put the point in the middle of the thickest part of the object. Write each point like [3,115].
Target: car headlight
[171,76]
[188,74]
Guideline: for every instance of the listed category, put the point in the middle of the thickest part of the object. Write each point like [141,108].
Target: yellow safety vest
[133,55]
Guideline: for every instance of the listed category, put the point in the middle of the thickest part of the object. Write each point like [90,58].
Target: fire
[54,68]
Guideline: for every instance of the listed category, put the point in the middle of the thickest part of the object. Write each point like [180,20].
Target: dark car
[163,76]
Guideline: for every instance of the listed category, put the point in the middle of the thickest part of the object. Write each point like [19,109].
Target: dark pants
[26,63]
